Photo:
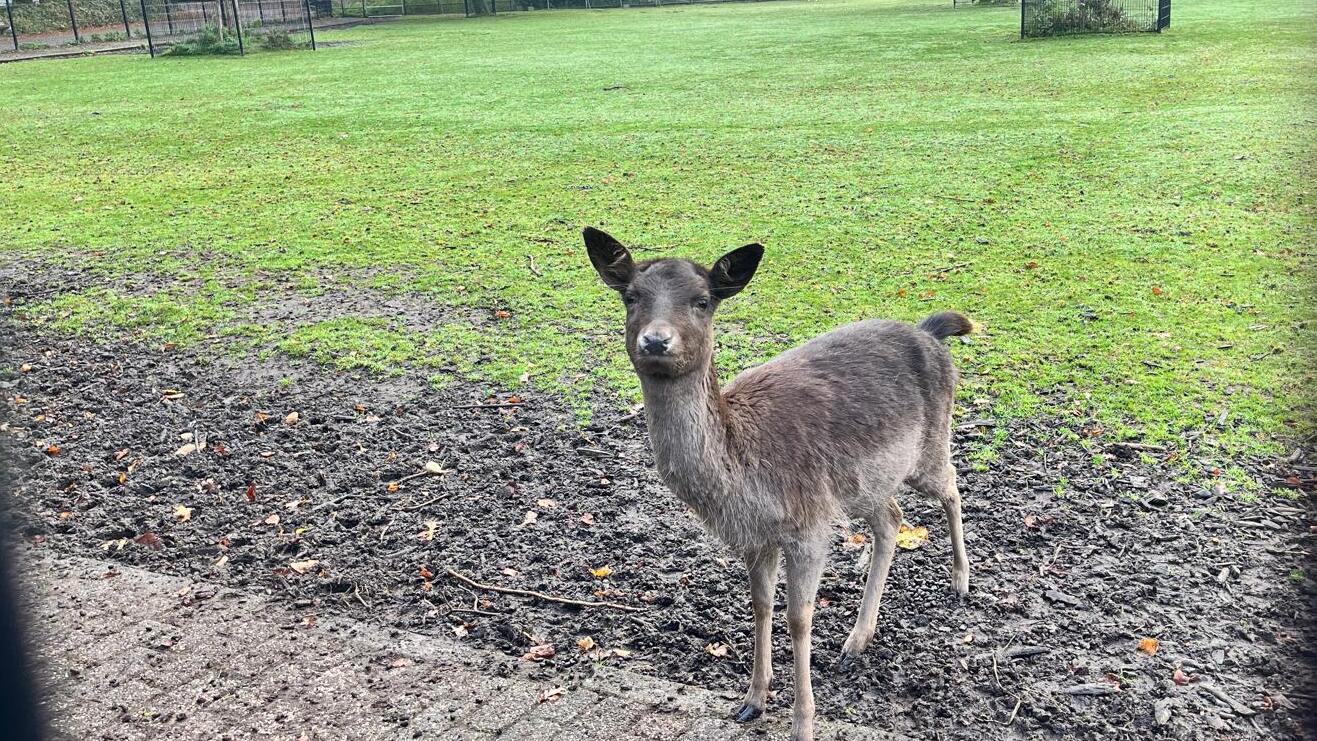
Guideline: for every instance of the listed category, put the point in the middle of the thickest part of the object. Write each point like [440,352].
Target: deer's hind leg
[940,483]
[885,520]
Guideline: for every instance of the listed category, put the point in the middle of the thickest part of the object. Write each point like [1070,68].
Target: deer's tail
[945,324]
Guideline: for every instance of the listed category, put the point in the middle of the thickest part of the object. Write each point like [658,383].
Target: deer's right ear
[610,259]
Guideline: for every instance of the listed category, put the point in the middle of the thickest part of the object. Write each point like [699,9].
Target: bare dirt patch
[315,490]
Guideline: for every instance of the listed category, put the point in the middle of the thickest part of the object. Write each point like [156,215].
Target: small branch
[1011,719]
[541,595]
[493,405]
[533,269]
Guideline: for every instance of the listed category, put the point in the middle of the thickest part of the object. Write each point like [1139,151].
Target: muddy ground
[1073,562]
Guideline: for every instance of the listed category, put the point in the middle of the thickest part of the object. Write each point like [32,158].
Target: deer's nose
[655,343]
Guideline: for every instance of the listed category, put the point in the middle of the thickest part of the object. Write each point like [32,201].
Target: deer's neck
[687,421]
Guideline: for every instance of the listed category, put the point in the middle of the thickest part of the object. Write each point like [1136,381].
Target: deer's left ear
[610,259]
[734,270]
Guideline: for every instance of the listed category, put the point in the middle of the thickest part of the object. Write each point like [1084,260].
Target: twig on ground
[541,595]
[1011,719]
[533,269]
[356,590]
[491,405]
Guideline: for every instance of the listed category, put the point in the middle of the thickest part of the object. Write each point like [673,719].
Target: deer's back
[867,394]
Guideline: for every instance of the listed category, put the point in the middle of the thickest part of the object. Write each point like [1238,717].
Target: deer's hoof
[747,713]
[846,662]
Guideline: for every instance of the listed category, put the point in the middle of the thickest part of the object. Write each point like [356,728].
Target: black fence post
[123,11]
[260,11]
[13,30]
[1023,5]
[364,13]
[205,17]
[237,27]
[73,21]
[169,17]
[310,27]
[146,21]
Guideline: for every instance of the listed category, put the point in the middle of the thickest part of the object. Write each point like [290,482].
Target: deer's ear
[734,270]
[610,259]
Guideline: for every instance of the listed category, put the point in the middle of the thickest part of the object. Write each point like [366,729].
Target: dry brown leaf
[25,368]
[426,573]
[587,518]
[855,541]
[292,419]
[460,631]
[550,695]
[52,450]
[430,527]
[251,492]
[187,449]
[601,572]
[545,503]
[150,540]
[392,487]
[502,314]
[511,572]
[716,650]
[585,644]
[182,512]
[529,519]
[1157,291]
[540,652]
[1180,678]
[302,567]
[1148,646]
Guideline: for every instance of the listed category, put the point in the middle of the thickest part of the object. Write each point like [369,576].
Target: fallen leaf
[550,695]
[222,561]
[529,519]
[183,513]
[546,503]
[65,515]
[24,368]
[1157,291]
[460,631]
[854,541]
[1148,646]
[52,450]
[120,455]
[587,518]
[272,520]
[123,478]
[585,644]
[292,418]
[621,653]
[601,572]
[1031,264]
[426,573]
[302,567]
[430,527]
[1180,678]
[502,314]
[511,572]
[911,538]
[251,492]
[150,540]
[717,650]
[434,468]
[540,652]
[392,487]
[187,449]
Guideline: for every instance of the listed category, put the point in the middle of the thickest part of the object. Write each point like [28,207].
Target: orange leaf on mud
[601,572]
[52,450]
[502,314]
[426,573]
[251,492]
[540,652]
[1148,646]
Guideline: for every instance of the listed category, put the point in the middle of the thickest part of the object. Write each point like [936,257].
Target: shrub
[279,40]
[209,42]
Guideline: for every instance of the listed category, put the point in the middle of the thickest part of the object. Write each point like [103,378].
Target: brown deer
[833,426]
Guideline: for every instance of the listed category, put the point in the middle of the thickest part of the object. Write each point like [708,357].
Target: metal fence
[33,26]
[1060,17]
[383,8]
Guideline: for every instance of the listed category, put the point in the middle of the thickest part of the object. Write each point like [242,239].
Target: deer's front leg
[762,565]
[804,567]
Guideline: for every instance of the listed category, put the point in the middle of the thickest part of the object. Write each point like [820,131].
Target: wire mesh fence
[51,24]
[1060,17]
[383,8]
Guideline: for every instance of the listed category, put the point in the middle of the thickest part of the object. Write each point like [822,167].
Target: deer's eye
[628,299]
[702,303]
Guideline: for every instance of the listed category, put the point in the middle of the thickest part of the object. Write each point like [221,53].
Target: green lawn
[1129,217]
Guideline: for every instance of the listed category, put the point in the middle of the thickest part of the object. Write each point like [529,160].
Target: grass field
[1130,218]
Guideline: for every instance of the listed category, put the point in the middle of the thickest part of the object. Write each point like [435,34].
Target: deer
[835,426]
